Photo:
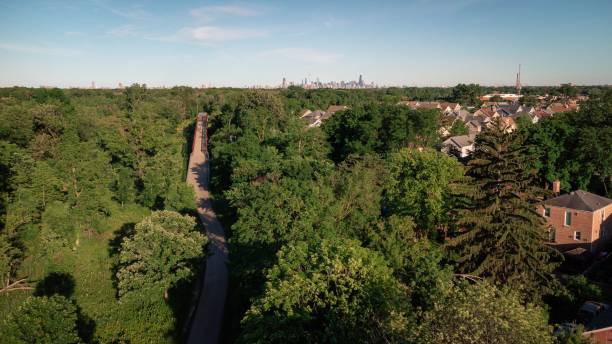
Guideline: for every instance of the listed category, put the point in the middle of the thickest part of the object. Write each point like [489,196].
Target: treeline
[361,231]
[297,98]
[358,231]
[79,169]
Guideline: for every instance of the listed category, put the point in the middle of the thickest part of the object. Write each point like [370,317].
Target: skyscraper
[361,80]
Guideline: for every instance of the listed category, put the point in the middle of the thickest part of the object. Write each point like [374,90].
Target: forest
[359,231]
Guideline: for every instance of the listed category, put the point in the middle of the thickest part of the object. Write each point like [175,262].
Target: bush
[42,320]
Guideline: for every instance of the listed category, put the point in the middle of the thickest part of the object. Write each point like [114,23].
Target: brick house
[578,219]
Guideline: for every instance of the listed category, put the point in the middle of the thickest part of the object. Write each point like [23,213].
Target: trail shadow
[85,326]
[114,247]
[201,171]
[56,283]
[114,244]
[188,134]
[180,299]
[246,281]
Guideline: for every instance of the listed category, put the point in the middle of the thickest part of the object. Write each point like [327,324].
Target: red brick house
[600,335]
[578,219]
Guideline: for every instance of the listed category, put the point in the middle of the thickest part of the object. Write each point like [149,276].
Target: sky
[72,43]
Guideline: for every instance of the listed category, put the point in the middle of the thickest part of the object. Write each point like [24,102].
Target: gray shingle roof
[460,141]
[579,200]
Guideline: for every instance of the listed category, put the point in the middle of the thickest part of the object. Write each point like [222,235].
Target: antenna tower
[518,81]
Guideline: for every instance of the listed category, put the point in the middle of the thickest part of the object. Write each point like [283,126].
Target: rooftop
[579,200]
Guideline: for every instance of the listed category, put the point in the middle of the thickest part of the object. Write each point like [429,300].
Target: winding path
[208,318]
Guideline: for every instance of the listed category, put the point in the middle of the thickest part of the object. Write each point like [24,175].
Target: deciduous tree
[164,249]
[329,291]
[42,320]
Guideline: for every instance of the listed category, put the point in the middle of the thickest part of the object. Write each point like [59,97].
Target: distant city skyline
[241,44]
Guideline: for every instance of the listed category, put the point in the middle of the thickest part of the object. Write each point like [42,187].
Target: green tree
[420,186]
[568,90]
[499,234]
[164,250]
[180,197]
[467,95]
[42,320]
[358,185]
[529,100]
[10,257]
[496,99]
[328,291]
[481,314]
[124,186]
[458,128]
[572,147]
[573,336]
[417,262]
[375,128]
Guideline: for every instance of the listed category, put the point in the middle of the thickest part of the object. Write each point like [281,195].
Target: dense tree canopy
[351,232]
[481,314]
[77,169]
[573,147]
[420,186]
[328,291]
[380,129]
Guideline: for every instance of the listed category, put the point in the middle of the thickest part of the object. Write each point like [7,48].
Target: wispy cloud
[331,21]
[303,55]
[39,49]
[130,12]
[216,34]
[123,31]
[209,13]
[447,7]
[74,34]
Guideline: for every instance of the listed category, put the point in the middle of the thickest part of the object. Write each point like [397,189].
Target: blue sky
[410,42]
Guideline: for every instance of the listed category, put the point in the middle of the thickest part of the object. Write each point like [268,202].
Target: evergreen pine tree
[499,233]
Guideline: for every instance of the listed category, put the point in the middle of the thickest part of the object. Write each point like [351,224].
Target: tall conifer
[499,233]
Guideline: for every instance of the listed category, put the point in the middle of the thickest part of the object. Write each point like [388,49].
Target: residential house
[332,109]
[317,117]
[532,116]
[486,112]
[415,105]
[542,113]
[474,126]
[509,124]
[578,219]
[305,113]
[599,330]
[313,118]
[510,109]
[562,107]
[448,108]
[463,115]
[462,145]
[505,96]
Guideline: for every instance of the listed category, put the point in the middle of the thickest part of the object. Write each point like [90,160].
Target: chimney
[556,187]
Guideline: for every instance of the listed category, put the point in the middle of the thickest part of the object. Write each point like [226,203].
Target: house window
[551,235]
[546,212]
[577,236]
[568,218]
